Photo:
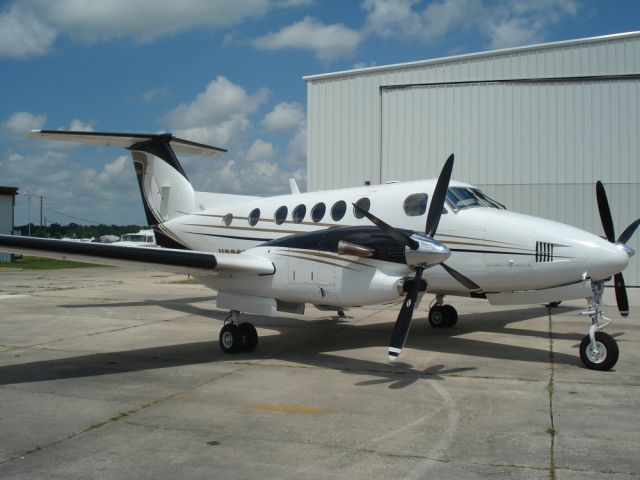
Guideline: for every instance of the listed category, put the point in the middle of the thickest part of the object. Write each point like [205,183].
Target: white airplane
[334,250]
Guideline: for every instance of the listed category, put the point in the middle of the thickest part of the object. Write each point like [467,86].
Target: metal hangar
[533,126]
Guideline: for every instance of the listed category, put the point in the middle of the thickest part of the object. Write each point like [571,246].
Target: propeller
[421,251]
[609,231]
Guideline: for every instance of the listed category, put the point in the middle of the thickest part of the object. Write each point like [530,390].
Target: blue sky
[222,72]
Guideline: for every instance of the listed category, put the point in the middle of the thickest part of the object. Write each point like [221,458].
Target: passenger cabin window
[338,210]
[318,211]
[415,205]
[281,215]
[254,216]
[298,213]
[227,219]
[363,203]
[465,197]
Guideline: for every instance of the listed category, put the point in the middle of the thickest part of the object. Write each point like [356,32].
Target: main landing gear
[238,337]
[598,351]
[442,316]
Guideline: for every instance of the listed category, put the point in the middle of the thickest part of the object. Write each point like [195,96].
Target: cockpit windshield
[465,197]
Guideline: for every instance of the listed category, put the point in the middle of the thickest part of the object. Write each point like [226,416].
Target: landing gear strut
[237,337]
[442,316]
[598,351]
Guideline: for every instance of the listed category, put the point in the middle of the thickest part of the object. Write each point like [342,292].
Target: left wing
[163,259]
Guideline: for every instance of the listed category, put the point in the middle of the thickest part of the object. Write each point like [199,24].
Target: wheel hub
[596,352]
[227,339]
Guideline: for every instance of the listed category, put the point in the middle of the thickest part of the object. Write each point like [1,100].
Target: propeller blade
[388,229]
[403,322]
[629,231]
[621,294]
[605,212]
[438,198]
[467,282]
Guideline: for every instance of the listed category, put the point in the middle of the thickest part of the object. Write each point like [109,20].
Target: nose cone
[429,252]
[605,258]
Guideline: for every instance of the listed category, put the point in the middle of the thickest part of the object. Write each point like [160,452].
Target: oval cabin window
[281,215]
[363,203]
[298,213]
[416,204]
[338,210]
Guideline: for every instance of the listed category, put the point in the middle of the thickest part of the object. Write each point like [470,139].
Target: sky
[222,72]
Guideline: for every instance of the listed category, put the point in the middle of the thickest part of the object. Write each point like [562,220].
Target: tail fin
[164,186]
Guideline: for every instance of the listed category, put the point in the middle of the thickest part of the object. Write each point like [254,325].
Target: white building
[7,204]
[534,127]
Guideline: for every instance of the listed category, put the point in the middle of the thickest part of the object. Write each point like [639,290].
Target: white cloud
[224,134]
[284,116]
[20,123]
[91,20]
[504,24]
[260,150]
[150,95]
[219,101]
[329,42]
[297,148]
[23,35]
[79,126]
[30,27]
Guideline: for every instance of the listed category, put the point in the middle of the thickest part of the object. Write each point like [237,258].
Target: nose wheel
[598,350]
[601,354]
[238,337]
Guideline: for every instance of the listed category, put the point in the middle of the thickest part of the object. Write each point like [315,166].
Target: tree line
[73,230]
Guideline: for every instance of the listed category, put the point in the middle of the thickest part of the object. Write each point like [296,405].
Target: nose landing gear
[238,337]
[598,350]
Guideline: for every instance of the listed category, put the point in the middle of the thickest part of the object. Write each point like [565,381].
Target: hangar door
[538,146]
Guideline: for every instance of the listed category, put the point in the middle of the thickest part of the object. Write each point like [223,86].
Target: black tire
[443,316]
[606,356]
[249,337]
[451,316]
[437,317]
[230,338]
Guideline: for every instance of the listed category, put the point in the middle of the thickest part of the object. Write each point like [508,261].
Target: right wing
[158,259]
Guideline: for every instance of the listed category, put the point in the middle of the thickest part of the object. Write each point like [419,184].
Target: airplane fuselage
[499,250]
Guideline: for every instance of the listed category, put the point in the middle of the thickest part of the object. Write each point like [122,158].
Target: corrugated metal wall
[524,125]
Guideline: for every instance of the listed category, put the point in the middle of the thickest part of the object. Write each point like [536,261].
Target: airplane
[351,247]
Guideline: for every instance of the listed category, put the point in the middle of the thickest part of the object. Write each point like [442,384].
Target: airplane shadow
[308,343]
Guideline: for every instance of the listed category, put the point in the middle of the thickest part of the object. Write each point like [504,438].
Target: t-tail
[165,188]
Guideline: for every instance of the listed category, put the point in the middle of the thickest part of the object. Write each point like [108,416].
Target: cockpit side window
[465,197]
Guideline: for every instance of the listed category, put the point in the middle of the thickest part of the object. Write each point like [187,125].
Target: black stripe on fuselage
[233,237]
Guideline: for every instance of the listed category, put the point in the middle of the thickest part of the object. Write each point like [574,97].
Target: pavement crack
[551,430]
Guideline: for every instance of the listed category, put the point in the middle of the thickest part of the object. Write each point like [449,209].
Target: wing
[163,259]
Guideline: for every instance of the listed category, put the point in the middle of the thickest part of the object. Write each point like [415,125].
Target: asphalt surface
[109,373]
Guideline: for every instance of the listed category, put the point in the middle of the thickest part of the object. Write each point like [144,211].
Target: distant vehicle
[143,238]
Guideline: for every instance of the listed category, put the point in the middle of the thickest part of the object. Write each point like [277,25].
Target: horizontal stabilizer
[157,259]
[127,140]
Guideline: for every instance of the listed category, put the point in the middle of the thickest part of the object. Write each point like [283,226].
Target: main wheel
[601,355]
[450,315]
[249,337]
[437,317]
[231,338]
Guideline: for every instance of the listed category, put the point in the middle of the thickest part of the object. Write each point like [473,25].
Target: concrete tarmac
[109,373]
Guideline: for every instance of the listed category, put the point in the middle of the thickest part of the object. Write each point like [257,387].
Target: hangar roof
[458,58]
